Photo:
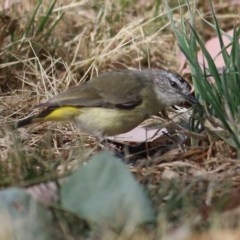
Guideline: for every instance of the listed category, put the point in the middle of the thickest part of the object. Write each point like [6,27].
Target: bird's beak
[191,99]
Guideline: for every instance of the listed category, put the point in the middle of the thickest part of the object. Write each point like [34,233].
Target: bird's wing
[103,91]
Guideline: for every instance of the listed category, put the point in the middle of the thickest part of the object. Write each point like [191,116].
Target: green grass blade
[31,22]
[44,19]
[51,28]
[219,34]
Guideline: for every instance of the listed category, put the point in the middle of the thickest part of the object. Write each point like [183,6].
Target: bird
[114,102]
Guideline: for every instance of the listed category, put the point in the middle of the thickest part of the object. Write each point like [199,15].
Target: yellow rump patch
[63,114]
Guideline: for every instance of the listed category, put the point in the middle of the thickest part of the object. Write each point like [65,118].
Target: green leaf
[104,191]
[22,217]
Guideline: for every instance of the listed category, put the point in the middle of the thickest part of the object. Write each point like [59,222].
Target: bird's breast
[109,122]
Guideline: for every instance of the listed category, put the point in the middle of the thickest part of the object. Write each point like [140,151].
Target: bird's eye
[173,84]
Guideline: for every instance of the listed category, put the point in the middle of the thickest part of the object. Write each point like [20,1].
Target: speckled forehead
[171,75]
[175,76]
[181,79]
[163,75]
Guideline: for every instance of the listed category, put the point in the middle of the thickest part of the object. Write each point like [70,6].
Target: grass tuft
[217,89]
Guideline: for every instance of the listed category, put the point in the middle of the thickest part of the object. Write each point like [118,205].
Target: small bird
[115,102]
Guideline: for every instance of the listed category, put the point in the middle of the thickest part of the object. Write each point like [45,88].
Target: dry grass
[93,37]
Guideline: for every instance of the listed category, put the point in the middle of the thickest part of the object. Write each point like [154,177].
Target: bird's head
[171,88]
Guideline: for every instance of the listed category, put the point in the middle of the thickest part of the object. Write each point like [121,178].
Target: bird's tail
[64,113]
[33,119]
[26,121]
